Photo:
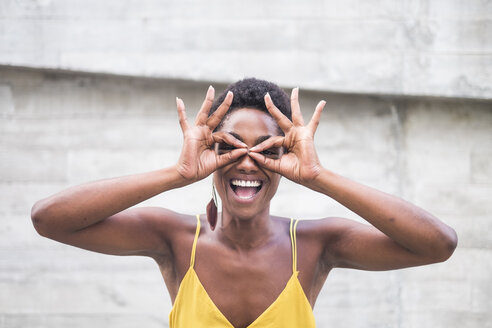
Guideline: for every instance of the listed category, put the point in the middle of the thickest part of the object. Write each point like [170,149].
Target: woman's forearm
[81,206]
[408,225]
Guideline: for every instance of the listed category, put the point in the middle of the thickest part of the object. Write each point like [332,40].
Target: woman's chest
[241,285]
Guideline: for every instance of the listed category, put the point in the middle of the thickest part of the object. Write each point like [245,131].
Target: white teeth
[246,183]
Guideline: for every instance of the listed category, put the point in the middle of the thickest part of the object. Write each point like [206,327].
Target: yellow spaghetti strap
[193,249]
[294,267]
[293,246]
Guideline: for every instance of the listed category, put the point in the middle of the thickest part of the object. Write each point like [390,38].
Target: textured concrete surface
[59,129]
[407,47]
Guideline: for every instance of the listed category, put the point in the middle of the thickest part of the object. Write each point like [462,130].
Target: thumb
[230,157]
[268,163]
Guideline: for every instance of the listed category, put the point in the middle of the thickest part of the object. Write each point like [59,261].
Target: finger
[201,117]
[297,118]
[217,116]
[231,156]
[222,136]
[313,124]
[268,163]
[277,141]
[183,121]
[282,120]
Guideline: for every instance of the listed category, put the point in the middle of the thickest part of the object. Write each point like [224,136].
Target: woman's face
[244,187]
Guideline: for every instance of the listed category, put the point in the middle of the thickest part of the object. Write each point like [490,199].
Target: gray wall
[409,47]
[87,91]
[59,129]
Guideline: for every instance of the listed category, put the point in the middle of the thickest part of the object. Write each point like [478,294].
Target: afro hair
[250,93]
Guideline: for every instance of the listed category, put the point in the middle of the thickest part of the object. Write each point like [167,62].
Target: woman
[242,269]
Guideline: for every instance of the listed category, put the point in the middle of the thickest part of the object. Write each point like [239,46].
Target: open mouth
[246,189]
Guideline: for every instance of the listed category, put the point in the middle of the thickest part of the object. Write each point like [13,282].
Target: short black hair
[250,93]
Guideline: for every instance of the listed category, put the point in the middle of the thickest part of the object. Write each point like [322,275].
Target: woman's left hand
[300,162]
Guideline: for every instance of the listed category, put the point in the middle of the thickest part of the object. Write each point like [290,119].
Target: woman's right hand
[198,158]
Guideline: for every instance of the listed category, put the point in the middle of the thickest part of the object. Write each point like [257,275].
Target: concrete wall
[405,47]
[59,129]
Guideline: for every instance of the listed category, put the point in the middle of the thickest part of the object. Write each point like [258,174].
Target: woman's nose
[247,164]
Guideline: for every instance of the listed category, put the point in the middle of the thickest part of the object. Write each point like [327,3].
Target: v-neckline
[264,313]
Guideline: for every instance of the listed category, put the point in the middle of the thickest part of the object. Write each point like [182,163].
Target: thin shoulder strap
[193,249]
[293,241]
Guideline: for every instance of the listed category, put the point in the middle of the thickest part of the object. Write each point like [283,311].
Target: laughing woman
[244,267]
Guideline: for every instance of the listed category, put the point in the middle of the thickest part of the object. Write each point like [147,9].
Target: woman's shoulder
[166,221]
[175,230]
[323,227]
[313,228]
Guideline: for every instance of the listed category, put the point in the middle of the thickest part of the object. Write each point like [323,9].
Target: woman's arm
[401,234]
[95,215]
[92,215]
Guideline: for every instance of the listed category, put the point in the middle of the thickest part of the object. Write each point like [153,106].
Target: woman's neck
[245,233]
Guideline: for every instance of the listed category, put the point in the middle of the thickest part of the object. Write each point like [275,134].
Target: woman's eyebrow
[261,139]
[237,136]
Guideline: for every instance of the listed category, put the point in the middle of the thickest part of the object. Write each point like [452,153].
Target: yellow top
[193,308]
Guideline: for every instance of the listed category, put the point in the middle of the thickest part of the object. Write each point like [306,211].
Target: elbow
[39,214]
[447,244]
[452,243]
